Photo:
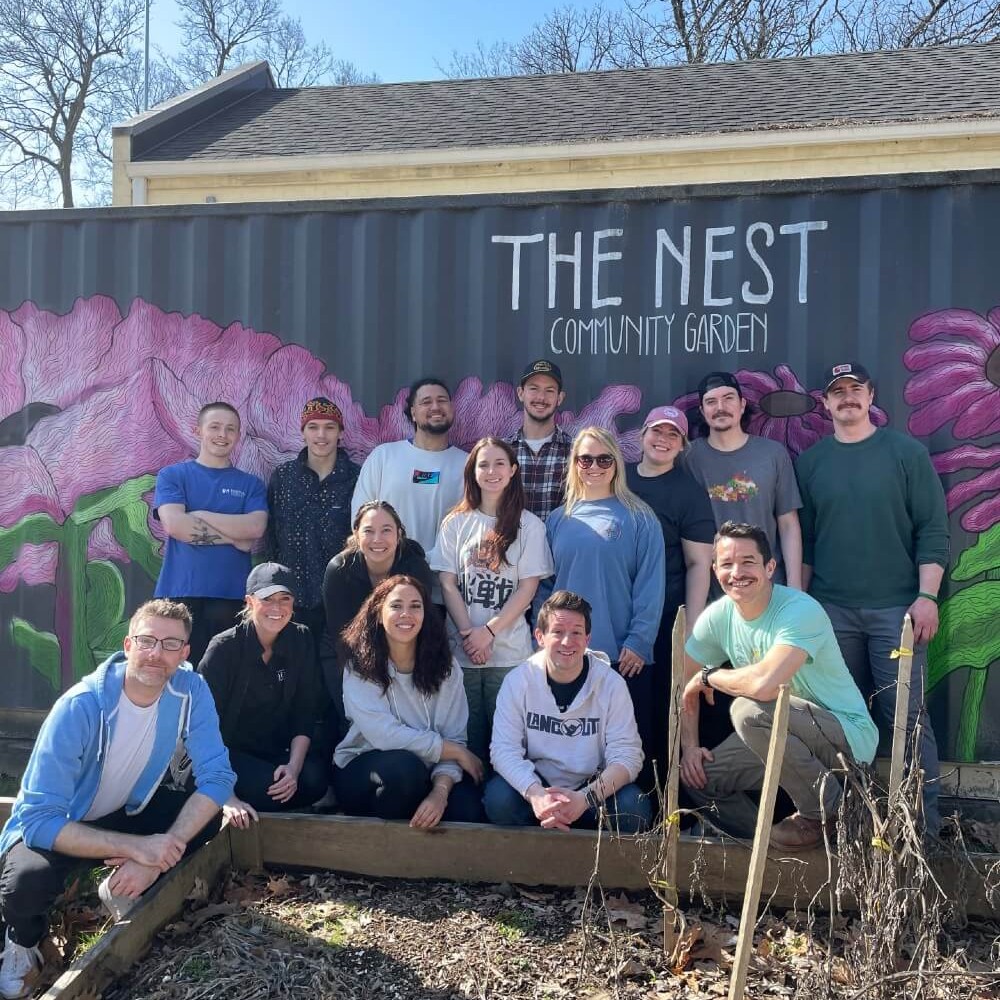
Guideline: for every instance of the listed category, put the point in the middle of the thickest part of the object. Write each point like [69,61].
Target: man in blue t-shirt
[772,635]
[212,514]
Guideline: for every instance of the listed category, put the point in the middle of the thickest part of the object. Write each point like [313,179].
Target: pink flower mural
[103,401]
[983,488]
[957,364]
[782,409]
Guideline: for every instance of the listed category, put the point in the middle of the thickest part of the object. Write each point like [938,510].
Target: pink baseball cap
[667,415]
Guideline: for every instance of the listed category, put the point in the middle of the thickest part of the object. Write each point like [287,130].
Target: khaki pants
[815,737]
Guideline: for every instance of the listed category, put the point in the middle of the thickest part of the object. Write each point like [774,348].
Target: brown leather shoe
[798,833]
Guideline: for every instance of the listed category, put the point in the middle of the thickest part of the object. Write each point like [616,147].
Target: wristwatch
[707,672]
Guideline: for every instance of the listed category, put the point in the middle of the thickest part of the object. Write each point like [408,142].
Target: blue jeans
[628,810]
[867,637]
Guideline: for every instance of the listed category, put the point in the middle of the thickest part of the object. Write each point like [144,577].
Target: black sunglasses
[604,461]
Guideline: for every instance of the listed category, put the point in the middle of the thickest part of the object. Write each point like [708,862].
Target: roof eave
[708,143]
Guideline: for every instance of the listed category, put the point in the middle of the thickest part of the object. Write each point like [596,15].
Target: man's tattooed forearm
[204,534]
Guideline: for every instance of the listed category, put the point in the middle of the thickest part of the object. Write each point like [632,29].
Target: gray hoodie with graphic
[534,741]
[404,719]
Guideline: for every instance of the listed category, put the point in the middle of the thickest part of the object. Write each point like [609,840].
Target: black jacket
[346,585]
[232,663]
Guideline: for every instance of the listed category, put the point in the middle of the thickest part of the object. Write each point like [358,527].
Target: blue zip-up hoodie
[65,767]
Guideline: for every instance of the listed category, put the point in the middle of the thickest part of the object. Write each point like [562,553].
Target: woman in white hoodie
[405,752]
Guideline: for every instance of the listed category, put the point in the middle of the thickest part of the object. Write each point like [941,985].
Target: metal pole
[145,102]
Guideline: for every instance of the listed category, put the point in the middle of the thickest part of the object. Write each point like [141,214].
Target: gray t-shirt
[753,484]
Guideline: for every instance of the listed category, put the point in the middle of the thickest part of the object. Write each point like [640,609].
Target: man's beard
[438,429]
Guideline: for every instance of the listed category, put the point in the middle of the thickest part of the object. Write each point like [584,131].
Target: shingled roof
[930,84]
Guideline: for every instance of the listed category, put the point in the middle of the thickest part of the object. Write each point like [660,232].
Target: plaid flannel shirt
[543,473]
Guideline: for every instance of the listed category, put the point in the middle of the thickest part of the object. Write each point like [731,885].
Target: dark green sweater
[872,512]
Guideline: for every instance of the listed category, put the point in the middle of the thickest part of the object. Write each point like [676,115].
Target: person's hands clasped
[286,783]
[630,663]
[478,644]
[558,808]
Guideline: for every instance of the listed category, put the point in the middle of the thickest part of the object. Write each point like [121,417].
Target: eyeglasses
[604,461]
[148,642]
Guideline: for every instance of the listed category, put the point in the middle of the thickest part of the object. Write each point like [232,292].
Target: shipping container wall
[116,326]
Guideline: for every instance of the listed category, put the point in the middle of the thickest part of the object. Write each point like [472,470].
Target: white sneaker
[19,963]
[117,906]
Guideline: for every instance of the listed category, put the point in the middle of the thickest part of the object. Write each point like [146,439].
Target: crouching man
[97,789]
[772,635]
[565,743]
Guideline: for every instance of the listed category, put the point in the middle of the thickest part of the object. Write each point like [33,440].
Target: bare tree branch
[57,59]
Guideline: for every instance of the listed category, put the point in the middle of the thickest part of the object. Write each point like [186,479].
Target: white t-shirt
[422,485]
[126,757]
[486,591]
[536,444]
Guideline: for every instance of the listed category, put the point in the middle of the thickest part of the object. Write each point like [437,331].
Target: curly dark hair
[367,648]
[493,548]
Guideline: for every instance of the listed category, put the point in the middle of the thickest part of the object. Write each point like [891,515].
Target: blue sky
[398,39]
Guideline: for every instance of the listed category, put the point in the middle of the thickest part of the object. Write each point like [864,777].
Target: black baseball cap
[542,367]
[270,578]
[849,370]
[716,380]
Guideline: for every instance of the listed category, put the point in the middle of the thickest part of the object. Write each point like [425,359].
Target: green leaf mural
[90,594]
[983,557]
[42,649]
[968,638]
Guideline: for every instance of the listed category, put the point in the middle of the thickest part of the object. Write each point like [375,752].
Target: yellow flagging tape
[882,845]
[897,653]
[674,819]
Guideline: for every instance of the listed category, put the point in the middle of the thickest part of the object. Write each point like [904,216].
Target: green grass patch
[513,924]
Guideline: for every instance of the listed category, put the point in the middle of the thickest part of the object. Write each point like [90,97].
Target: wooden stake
[761,839]
[671,916]
[903,679]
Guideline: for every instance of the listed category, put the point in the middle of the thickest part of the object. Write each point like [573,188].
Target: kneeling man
[772,635]
[565,743]
[97,788]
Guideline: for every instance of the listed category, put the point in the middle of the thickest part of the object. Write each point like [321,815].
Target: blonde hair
[619,488]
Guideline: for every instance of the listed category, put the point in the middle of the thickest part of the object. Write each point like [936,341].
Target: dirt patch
[333,936]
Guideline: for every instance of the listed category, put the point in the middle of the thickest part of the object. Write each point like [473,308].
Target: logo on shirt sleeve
[426,478]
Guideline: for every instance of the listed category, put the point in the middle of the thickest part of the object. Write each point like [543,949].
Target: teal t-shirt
[790,619]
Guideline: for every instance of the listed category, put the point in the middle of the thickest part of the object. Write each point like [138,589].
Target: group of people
[442,635]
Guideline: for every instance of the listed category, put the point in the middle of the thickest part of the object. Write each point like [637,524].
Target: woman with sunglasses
[607,546]
[404,756]
[490,554]
[264,678]
[376,549]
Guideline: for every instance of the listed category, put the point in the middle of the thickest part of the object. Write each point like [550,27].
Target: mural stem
[70,619]
[972,703]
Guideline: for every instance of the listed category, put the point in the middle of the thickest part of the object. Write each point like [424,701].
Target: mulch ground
[335,936]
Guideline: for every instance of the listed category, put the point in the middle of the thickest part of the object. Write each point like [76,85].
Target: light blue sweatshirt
[65,766]
[614,558]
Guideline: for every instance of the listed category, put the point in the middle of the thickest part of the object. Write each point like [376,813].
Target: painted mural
[93,402]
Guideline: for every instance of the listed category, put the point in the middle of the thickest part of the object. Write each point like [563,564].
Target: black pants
[640,687]
[32,878]
[211,615]
[390,784]
[255,774]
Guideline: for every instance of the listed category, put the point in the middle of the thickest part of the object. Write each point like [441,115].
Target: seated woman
[405,753]
[264,678]
[376,549]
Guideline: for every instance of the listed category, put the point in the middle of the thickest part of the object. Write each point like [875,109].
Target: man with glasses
[107,783]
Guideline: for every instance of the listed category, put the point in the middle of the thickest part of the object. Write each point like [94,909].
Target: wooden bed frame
[458,851]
